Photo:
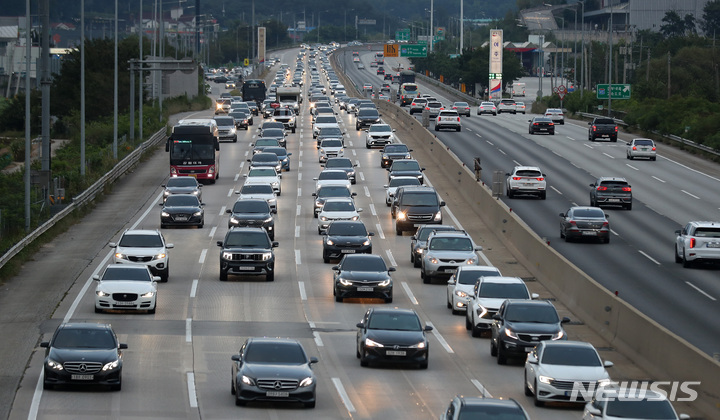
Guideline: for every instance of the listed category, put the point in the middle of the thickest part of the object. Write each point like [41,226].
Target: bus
[195,150]
[254,90]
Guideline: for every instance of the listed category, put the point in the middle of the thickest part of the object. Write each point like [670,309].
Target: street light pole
[430,31]
[462,26]
[582,48]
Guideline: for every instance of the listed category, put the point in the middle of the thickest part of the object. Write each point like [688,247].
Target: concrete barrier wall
[652,347]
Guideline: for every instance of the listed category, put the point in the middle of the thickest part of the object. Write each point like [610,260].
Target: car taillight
[540,179]
[692,242]
[634,147]
[653,149]
[594,128]
[552,123]
[536,124]
[626,189]
[516,178]
[458,119]
[602,188]
[572,222]
[616,129]
[606,224]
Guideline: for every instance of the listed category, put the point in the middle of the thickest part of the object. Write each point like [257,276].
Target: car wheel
[398,230]
[364,362]
[235,139]
[530,132]
[48,386]
[232,387]
[614,139]
[606,240]
[319,231]
[424,365]
[653,158]
[567,238]
[310,404]
[437,128]
[528,392]
[315,215]
[367,146]
[678,258]
[501,357]
[685,262]
[552,133]
[628,156]
[510,193]
[98,310]
[475,331]
[165,275]
[152,311]
[427,278]
[493,348]
[543,195]
[449,304]
[468,324]
[239,402]
[326,259]
[223,275]
[116,387]
[338,298]
[389,300]
[458,129]
[537,402]
[416,263]
[163,226]
[293,130]
[628,206]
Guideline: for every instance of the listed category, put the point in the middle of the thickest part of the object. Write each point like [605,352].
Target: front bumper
[336,252]
[247,392]
[247,267]
[111,377]
[156,267]
[175,220]
[136,303]
[380,354]
[358,289]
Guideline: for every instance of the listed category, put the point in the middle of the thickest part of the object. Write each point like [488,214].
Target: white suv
[446,251]
[506,105]
[697,242]
[526,180]
[486,297]
[144,247]
[461,284]
[448,119]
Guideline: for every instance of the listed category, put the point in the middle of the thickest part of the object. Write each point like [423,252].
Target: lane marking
[318,340]
[367,191]
[300,164]
[483,391]
[381,234]
[632,167]
[614,233]
[372,209]
[203,254]
[230,193]
[297,257]
[700,290]
[608,155]
[658,179]
[353,152]
[301,153]
[222,210]
[501,151]
[297,212]
[297,231]
[242,165]
[570,138]
[588,146]
[391,258]
[357,163]
[193,288]
[192,394]
[440,338]
[556,190]
[362,176]
[517,163]
[409,293]
[212,231]
[236,177]
[489,142]
[299,192]
[650,258]
[301,286]
[188,330]
[691,195]
[299,176]
[343,395]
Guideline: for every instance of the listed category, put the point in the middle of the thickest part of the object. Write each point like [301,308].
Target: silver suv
[446,251]
[611,190]
[417,105]
[506,105]
[144,247]
[697,242]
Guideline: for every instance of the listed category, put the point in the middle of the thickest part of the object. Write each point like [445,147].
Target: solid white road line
[409,293]
[700,290]
[193,288]
[203,254]
[188,330]
[440,338]
[343,395]
[483,391]
[192,394]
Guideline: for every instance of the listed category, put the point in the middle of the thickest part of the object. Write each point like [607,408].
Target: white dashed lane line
[707,295]
[410,293]
[691,195]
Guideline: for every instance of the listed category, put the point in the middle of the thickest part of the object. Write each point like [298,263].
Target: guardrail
[86,196]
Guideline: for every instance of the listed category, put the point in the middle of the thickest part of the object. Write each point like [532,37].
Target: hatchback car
[417,105]
[520,107]
[182,185]
[611,190]
[126,287]
[448,119]
[82,354]
[553,368]
[346,237]
[584,223]
[446,252]
[487,296]
[541,125]
[362,275]
[392,335]
[486,108]
[641,148]
[273,369]
[144,247]
[182,210]
[506,105]
[462,282]
[528,180]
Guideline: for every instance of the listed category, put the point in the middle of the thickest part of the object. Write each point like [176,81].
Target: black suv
[519,325]
[414,206]
[611,190]
[247,251]
[366,117]
[250,212]
[83,353]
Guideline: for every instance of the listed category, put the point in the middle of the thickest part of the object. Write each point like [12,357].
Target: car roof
[246,229]
[273,340]
[384,310]
[500,279]
[526,302]
[567,343]
[421,189]
[85,326]
[449,233]
[488,402]
[527,168]
[612,178]
[141,232]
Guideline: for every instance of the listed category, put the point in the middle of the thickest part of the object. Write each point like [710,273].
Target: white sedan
[126,287]
[337,209]
[332,177]
[264,176]
[398,181]
[259,191]
[554,369]
[526,180]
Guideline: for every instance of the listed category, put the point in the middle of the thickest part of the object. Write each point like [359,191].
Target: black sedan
[393,152]
[241,119]
[362,275]
[406,167]
[182,210]
[83,353]
[254,213]
[392,335]
[346,237]
[273,369]
[182,185]
[541,125]
[275,133]
[585,223]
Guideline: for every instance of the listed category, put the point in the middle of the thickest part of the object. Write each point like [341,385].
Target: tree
[675,26]
[710,23]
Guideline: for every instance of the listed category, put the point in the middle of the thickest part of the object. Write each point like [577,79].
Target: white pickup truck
[697,242]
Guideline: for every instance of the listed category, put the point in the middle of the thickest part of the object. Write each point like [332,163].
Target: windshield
[181,181]
[363,263]
[333,191]
[589,213]
[425,232]
[262,172]
[272,132]
[570,356]
[275,353]
[325,119]
[266,142]
[265,157]
[503,290]
[405,165]
[70,338]
[399,182]
[182,200]
[451,244]
[347,229]
[332,175]
[224,121]
[257,189]
[398,322]
[396,148]
[246,239]
[141,241]
[331,143]
[338,163]
[330,131]
[470,412]
[367,112]
[419,199]
[251,206]
[126,273]
[339,206]
[636,408]
[531,313]
[185,150]
[380,128]
[279,151]
[471,276]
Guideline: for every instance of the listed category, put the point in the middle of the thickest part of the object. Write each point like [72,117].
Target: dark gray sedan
[585,223]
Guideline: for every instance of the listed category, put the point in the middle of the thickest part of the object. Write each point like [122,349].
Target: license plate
[193,175]
[277,394]
[124,303]
[365,289]
[396,353]
[589,233]
[181,219]
[614,200]
[449,270]
[644,149]
[244,268]
[348,251]
[82,377]
[528,349]
[605,135]
[713,245]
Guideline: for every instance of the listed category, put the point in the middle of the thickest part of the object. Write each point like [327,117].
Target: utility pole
[115,90]
[28,143]
[647,72]
[610,42]
[462,26]
[82,88]
[45,88]
[431,34]
[668,71]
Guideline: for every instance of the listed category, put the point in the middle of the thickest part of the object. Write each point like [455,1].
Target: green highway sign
[402,35]
[618,91]
[413,50]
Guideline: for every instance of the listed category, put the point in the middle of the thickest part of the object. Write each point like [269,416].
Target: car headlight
[164,214]
[385,283]
[234,221]
[268,220]
[112,365]
[148,294]
[545,379]
[324,218]
[401,215]
[275,184]
[267,256]
[344,282]
[355,218]
[196,192]
[166,193]
[604,382]
[372,343]
[510,333]
[120,256]
[460,293]
[322,151]
[367,242]
[407,156]
[227,255]
[102,293]
[558,335]
[433,260]
[471,261]
[481,311]
[248,380]
[438,216]
[54,365]
[197,213]
[159,256]
[420,345]
[329,242]
[306,382]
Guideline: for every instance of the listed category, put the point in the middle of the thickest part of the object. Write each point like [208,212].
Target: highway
[178,361]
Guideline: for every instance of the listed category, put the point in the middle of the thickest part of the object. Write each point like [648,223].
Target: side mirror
[422,169]
[565,320]
[359,210]
[534,296]
[228,211]
[45,344]
[96,277]
[336,268]
[114,245]
[442,204]
[593,411]
[275,244]
[360,325]
[236,358]
[562,214]
[371,233]
[531,359]
[608,364]
[590,123]
[313,360]
[451,281]
[428,328]
[391,269]
[122,346]
[156,279]
[678,232]
[497,317]
[478,248]
[507,173]
[220,243]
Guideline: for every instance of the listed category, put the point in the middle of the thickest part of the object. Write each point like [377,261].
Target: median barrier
[654,348]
